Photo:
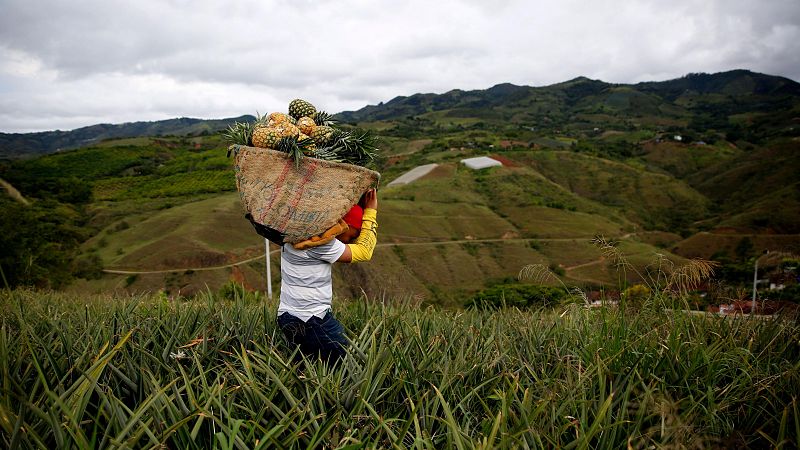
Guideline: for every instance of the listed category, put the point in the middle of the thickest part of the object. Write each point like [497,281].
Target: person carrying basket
[304,312]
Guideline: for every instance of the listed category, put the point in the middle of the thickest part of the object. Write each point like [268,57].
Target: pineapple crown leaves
[238,133]
[261,120]
[323,118]
[241,133]
[352,146]
[296,148]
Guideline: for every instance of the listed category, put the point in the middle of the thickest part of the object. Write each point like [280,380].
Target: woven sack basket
[297,200]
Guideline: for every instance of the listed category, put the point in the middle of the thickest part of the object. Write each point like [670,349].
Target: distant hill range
[696,96]
[15,145]
[767,104]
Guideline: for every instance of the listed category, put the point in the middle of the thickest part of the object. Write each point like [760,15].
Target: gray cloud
[70,64]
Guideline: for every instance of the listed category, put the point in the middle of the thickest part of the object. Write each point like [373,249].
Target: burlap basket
[297,201]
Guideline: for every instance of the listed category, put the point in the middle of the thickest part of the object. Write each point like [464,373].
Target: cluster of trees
[517,295]
[39,241]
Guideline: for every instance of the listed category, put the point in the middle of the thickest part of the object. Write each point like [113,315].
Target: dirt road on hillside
[388,244]
[13,192]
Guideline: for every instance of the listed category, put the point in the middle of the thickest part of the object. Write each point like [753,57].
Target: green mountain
[696,101]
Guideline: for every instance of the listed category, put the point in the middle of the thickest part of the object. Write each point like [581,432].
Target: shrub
[517,295]
[130,279]
[89,267]
[557,269]
[637,293]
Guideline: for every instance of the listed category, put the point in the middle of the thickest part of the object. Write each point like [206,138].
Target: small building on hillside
[480,162]
[511,144]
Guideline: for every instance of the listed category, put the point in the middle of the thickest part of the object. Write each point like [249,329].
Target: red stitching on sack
[311,167]
[277,190]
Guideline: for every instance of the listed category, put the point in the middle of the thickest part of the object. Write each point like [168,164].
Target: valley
[664,172]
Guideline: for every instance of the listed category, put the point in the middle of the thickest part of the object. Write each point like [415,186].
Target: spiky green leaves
[321,118]
[350,146]
[296,148]
[239,133]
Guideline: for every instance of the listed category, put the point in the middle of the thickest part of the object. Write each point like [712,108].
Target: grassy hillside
[433,250]
[470,228]
[761,185]
[653,200]
[206,232]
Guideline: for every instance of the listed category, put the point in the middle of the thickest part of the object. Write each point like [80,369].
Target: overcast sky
[67,64]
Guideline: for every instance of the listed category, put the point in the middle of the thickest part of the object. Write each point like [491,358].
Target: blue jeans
[321,337]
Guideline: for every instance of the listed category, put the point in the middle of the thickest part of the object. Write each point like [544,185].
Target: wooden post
[269,270]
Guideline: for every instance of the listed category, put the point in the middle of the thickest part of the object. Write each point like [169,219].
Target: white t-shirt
[306,287]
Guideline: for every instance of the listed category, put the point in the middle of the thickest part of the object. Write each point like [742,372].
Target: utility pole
[755,282]
[269,270]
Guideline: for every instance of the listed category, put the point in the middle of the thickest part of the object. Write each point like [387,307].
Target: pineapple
[321,135]
[286,129]
[277,118]
[300,108]
[306,125]
[265,137]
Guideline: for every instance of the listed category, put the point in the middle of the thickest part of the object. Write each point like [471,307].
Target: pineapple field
[213,372]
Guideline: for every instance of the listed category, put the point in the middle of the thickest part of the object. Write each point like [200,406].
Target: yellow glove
[364,245]
[323,238]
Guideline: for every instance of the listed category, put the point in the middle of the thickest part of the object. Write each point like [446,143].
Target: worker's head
[353,220]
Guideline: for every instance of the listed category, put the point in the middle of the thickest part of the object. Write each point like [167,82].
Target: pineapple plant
[351,146]
[300,108]
[239,133]
[296,148]
[306,125]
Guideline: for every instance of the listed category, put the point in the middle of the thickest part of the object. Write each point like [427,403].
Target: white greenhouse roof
[481,162]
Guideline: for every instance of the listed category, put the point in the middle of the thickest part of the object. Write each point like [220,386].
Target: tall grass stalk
[143,372]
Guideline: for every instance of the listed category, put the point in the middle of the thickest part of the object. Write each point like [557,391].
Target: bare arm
[347,256]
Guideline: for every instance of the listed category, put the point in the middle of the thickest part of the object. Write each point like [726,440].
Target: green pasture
[210,228]
[781,210]
[652,199]
[682,160]
[422,220]
[705,245]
